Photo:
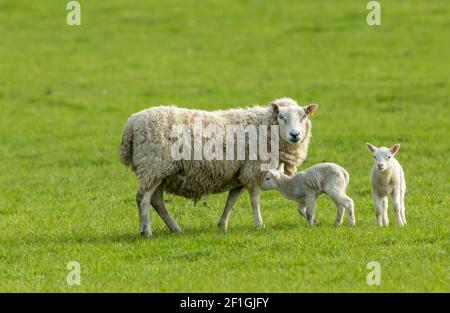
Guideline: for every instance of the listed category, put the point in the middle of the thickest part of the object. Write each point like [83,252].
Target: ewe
[387,179]
[306,186]
[148,138]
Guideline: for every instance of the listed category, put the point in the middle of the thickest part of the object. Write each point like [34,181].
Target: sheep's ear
[275,109]
[371,147]
[394,149]
[281,167]
[311,108]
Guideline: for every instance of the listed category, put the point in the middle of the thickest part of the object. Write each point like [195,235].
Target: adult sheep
[147,142]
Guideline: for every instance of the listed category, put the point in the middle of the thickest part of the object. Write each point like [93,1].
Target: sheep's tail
[126,146]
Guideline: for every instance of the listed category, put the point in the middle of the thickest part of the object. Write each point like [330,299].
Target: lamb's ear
[281,167]
[371,147]
[275,109]
[394,149]
[274,174]
[311,108]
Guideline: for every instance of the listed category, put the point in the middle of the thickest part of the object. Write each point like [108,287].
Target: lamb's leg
[254,200]
[396,204]
[143,198]
[378,208]
[343,202]
[340,206]
[310,208]
[384,205]
[350,208]
[157,202]
[233,195]
[302,207]
[402,208]
[339,214]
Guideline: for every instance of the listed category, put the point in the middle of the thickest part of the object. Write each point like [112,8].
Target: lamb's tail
[346,177]
[126,146]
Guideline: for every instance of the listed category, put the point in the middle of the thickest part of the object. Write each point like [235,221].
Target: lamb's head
[383,156]
[292,118]
[272,177]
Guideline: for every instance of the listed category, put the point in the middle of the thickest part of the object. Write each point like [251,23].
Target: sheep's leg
[157,202]
[302,207]
[254,200]
[378,209]
[139,195]
[384,205]
[233,195]
[143,198]
[310,208]
[396,204]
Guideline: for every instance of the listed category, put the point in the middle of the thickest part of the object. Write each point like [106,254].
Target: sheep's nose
[380,166]
[294,134]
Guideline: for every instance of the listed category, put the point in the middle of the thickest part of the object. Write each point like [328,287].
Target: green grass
[66,92]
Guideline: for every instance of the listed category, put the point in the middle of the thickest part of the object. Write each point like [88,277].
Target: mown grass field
[66,92]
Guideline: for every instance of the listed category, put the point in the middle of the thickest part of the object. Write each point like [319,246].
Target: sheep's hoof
[222,227]
[146,233]
[176,230]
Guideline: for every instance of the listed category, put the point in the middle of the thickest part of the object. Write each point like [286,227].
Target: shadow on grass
[235,232]
[191,232]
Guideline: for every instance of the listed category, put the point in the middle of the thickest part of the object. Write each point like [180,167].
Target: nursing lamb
[304,188]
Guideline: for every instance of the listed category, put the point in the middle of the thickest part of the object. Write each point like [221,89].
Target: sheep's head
[272,177]
[292,119]
[383,156]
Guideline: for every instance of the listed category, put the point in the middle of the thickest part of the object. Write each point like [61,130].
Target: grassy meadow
[66,92]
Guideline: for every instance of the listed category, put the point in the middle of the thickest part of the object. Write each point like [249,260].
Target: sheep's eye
[303,118]
[282,117]
[389,157]
[374,157]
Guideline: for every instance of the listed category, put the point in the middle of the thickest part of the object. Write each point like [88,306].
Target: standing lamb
[306,186]
[147,140]
[387,179]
